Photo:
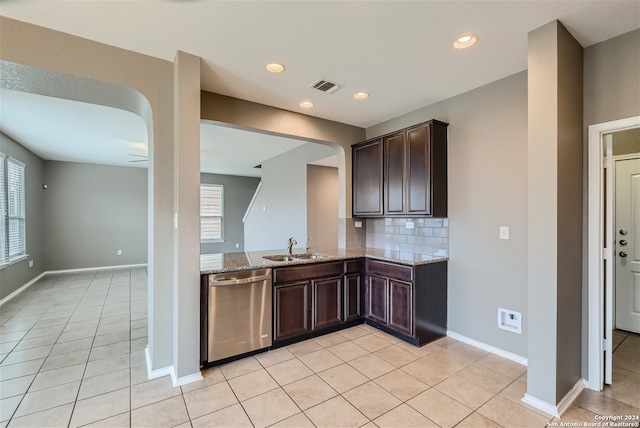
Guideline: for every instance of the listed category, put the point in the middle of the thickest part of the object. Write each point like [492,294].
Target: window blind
[211,212]
[16,208]
[3,211]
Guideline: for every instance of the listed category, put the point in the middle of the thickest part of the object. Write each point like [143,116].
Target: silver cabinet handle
[623,232]
[623,254]
[623,242]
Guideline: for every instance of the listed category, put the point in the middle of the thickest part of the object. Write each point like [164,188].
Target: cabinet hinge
[606,254]
[606,162]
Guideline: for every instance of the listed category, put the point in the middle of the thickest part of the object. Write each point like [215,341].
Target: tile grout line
[40,368]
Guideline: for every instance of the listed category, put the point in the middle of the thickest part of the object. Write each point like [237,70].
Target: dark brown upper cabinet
[367,178]
[403,173]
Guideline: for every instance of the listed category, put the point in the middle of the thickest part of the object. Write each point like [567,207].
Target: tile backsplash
[352,236]
[428,236]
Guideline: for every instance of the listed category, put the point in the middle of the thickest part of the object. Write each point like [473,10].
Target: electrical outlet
[504,232]
[119,252]
[30,263]
[409,225]
[237,245]
[358,224]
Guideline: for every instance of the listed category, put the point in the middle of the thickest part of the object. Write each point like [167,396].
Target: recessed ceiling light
[361,95]
[465,41]
[274,67]
[306,104]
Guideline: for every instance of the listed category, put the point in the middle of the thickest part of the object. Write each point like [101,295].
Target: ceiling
[399,52]
[64,130]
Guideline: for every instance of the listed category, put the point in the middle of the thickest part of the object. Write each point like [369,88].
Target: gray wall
[238,192]
[91,212]
[611,92]
[611,83]
[554,209]
[18,274]
[487,189]
[280,209]
[322,206]
[569,237]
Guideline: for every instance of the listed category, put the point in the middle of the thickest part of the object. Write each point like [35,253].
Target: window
[12,210]
[211,213]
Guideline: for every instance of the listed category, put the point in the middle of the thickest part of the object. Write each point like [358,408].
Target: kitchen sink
[310,256]
[294,257]
[279,258]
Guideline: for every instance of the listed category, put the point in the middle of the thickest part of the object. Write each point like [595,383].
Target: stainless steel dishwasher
[240,313]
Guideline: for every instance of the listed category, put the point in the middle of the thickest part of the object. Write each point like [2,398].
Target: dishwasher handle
[215,283]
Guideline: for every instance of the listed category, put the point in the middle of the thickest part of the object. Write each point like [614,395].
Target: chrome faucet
[292,242]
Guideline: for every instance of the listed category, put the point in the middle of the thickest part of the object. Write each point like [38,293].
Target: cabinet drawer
[353,266]
[306,272]
[390,270]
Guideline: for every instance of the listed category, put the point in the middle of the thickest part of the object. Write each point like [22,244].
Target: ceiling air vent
[325,86]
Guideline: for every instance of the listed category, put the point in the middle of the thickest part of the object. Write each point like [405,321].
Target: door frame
[597,286]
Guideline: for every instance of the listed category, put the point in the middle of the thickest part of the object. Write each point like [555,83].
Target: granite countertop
[228,262]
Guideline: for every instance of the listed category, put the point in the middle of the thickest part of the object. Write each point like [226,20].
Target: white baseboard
[21,289]
[50,272]
[557,410]
[169,371]
[489,348]
[570,396]
[154,374]
[96,268]
[541,405]
[179,381]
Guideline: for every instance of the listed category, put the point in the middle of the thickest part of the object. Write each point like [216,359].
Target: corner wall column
[554,217]
[186,251]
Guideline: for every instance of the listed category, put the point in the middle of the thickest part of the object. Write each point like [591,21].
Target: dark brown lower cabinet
[292,310]
[401,306]
[408,300]
[353,289]
[327,302]
[315,297]
[377,298]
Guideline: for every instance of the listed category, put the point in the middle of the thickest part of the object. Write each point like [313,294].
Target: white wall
[280,209]
[322,206]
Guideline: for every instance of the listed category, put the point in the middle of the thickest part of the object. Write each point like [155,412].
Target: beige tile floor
[72,354]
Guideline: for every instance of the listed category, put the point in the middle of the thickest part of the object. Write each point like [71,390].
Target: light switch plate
[504,232]
[358,224]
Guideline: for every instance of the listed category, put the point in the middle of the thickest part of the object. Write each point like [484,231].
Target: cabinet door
[327,302]
[419,168]
[367,178]
[352,306]
[292,310]
[394,178]
[376,297]
[401,306]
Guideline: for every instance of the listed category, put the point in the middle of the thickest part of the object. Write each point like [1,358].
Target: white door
[627,236]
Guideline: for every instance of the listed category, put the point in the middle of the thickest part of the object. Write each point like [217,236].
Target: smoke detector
[323,85]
